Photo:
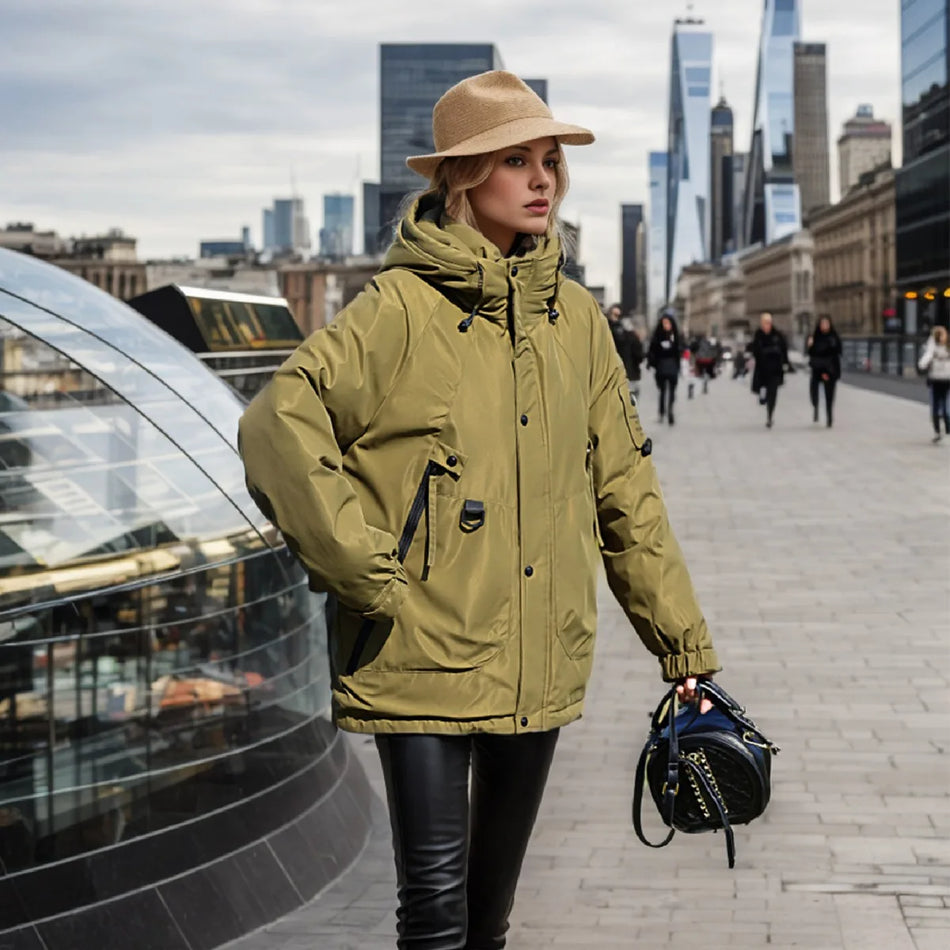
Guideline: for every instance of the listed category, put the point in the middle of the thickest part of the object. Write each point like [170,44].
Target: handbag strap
[700,776]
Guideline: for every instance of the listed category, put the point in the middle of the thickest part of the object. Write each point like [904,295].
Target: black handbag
[706,772]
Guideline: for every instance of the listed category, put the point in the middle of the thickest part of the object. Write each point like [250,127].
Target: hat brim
[510,133]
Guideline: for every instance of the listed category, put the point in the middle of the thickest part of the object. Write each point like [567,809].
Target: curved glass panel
[160,659]
[85,313]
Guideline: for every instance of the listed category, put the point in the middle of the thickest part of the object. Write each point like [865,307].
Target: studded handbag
[706,772]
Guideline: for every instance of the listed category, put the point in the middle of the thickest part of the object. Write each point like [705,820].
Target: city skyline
[79,157]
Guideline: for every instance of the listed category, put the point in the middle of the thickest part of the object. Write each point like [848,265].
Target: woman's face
[824,324]
[516,197]
[667,324]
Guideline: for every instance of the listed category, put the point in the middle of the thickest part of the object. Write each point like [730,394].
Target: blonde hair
[940,335]
[455,176]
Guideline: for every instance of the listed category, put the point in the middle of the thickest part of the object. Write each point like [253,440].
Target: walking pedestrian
[628,346]
[663,355]
[935,360]
[824,358]
[448,458]
[707,357]
[770,352]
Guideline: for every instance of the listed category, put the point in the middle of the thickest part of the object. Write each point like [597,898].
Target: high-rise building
[371,235]
[810,158]
[336,235]
[267,229]
[739,165]
[687,209]
[864,144]
[539,87]
[923,183]
[412,78]
[633,256]
[286,227]
[772,202]
[720,180]
[657,288]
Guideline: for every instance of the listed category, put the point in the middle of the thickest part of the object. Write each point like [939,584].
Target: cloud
[181,120]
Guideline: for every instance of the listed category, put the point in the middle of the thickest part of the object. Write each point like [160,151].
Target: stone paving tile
[821,559]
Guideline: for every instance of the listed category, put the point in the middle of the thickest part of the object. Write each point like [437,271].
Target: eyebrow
[524,148]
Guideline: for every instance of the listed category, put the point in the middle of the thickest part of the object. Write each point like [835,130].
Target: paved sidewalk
[822,560]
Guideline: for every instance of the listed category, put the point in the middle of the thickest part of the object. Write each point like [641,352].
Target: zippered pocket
[443,461]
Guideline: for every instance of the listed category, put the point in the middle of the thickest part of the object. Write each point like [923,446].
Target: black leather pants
[457,862]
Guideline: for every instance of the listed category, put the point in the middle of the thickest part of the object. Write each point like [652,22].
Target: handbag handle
[668,708]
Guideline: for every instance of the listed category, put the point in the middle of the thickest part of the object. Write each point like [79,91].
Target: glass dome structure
[164,688]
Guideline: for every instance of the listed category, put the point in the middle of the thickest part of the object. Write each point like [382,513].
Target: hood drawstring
[467,322]
[553,313]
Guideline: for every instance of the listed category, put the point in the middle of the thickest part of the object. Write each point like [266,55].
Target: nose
[542,178]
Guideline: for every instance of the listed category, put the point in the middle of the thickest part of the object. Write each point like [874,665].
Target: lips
[539,206]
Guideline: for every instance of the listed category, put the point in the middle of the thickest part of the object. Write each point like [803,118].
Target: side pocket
[593,491]
[631,417]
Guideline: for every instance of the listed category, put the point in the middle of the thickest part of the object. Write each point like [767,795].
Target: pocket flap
[451,460]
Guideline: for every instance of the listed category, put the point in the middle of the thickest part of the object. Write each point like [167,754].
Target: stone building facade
[780,279]
[316,292]
[855,256]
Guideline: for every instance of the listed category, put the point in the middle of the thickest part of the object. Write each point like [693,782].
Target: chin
[535,226]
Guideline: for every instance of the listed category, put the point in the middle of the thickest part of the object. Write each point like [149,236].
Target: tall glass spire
[687,232]
[773,205]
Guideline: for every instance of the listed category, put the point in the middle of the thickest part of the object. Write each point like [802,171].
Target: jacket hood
[468,269]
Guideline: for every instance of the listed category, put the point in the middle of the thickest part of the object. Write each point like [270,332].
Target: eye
[516,161]
[551,163]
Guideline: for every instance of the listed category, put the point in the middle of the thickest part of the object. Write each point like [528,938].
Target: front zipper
[424,502]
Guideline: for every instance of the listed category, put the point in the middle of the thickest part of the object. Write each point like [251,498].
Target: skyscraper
[923,183]
[810,158]
[687,209]
[267,229]
[632,257]
[539,86]
[720,180]
[740,167]
[289,226]
[412,78]
[371,242]
[865,143]
[336,235]
[657,288]
[772,202]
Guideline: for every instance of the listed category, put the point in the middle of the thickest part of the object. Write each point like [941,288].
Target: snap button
[647,448]
[524,720]
[514,271]
[451,460]
[524,420]
[528,571]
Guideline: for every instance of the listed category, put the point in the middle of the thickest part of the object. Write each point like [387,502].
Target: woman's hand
[688,692]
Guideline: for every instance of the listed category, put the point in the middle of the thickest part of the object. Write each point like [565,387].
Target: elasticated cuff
[689,664]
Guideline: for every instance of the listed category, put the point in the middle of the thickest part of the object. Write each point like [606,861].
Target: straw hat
[487,112]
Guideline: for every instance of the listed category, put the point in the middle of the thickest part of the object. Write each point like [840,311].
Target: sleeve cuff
[689,664]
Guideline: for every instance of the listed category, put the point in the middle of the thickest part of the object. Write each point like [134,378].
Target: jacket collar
[472,272]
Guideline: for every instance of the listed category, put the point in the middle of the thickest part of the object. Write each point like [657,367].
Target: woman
[448,459]
[770,353]
[824,358]
[935,360]
[664,356]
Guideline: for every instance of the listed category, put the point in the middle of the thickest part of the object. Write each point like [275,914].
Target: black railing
[891,355]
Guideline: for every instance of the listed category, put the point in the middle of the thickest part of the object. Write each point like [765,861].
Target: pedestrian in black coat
[664,356]
[824,358]
[770,352]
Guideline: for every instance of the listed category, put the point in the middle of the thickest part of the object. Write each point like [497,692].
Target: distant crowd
[672,357]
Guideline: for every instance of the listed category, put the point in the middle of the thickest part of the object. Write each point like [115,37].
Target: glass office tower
[631,258]
[773,204]
[657,290]
[336,235]
[923,183]
[169,775]
[687,210]
[412,78]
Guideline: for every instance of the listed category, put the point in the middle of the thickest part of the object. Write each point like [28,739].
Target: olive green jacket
[451,458]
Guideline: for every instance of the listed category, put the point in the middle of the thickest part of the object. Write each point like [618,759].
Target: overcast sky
[181,120]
